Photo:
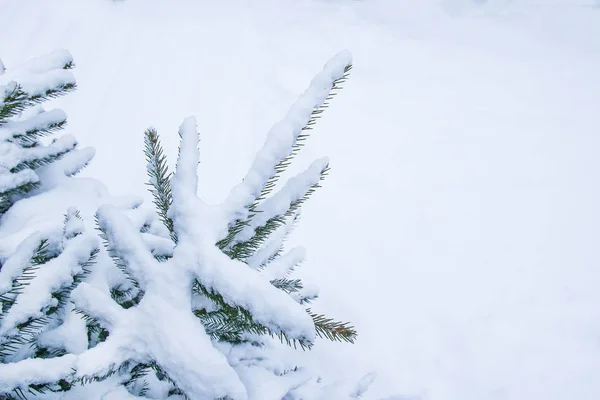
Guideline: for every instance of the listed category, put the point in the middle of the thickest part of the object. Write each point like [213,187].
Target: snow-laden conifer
[198,307]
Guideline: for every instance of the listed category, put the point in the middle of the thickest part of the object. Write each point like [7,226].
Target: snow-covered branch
[283,136]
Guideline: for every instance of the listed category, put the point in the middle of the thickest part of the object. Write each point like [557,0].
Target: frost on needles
[201,305]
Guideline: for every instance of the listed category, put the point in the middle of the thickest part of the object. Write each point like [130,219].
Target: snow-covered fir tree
[193,301]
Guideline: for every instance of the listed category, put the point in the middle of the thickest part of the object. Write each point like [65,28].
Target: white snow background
[459,226]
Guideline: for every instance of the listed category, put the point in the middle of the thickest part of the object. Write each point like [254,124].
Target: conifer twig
[159,178]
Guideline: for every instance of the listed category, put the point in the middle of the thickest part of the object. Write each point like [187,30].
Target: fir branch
[52,93]
[283,164]
[29,138]
[40,256]
[228,323]
[118,261]
[232,232]
[277,254]
[332,330]
[40,162]
[273,248]
[29,330]
[159,178]
[16,101]
[36,389]
[288,285]
[112,370]
[63,295]
[243,250]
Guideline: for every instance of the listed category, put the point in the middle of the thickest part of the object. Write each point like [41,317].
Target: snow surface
[458,228]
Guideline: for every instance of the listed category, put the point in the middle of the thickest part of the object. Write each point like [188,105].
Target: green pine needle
[159,178]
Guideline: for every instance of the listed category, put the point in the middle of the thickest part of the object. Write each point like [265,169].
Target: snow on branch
[184,185]
[56,274]
[43,75]
[76,160]
[58,59]
[196,227]
[242,286]
[97,304]
[48,83]
[35,371]
[41,124]
[283,136]
[282,266]
[186,175]
[272,248]
[20,260]
[279,204]
[122,239]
